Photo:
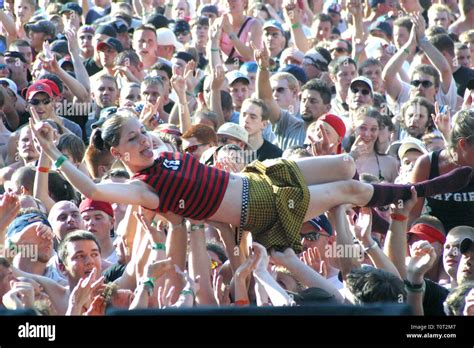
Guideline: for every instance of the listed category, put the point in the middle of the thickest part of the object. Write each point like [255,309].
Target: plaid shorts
[278,202]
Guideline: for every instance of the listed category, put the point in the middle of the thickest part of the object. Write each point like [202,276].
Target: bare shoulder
[421,170]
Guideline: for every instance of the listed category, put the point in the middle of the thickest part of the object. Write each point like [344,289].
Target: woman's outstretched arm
[135,193]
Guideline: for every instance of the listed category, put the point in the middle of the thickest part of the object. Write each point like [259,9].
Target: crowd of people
[186,153]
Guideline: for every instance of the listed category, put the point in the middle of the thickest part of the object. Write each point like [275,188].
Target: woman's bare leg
[326,196]
[324,169]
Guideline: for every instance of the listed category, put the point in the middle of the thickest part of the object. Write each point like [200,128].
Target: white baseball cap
[235,131]
[166,37]
[410,143]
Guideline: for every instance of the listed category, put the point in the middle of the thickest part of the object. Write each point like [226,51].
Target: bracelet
[295,25]
[262,68]
[242,302]
[189,291]
[181,224]
[410,287]
[169,4]
[214,49]
[373,246]
[398,217]
[159,246]
[59,162]
[43,169]
[197,227]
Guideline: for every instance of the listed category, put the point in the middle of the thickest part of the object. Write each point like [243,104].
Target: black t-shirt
[168,107]
[268,151]
[434,297]
[462,76]
[114,272]
[91,66]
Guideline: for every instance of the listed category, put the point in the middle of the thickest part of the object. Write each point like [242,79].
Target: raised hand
[442,119]
[9,207]
[21,295]
[221,291]
[148,116]
[217,78]
[261,56]
[83,291]
[43,133]
[154,235]
[422,258]
[156,269]
[419,25]
[292,11]
[72,44]
[320,146]
[359,148]
[282,258]
[262,257]
[97,307]
[247,267]
[312,258]
[363,227]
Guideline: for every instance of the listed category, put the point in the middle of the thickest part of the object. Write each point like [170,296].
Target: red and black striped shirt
[185,186]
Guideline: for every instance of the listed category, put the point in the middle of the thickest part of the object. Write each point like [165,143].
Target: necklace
[381,178]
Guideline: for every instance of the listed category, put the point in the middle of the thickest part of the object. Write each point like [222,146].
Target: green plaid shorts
[278,202]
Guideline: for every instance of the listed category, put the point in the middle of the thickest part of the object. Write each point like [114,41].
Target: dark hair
[163,67]
[149,27]
[4,262]
[60,189]
[319,86]
[460,46]
[116,173]
[336,64]
[404,22]
[208,115]
[97,156]
[323,17]
[370,285]
[368,111]
[226,101]
[261,103]
[443,43]
[109,134]
[367,63]
[429,70]
[129,56]
[202,133]
[218,250]
[419,101]
[19,43]
[74,237]
[74,145]
[435,30]
[25,176]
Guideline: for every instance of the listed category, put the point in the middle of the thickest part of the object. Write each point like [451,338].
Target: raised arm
[40,187]
[293,16]
[264,89]
[79,69]
[393,86]
[179,85]
[9,24]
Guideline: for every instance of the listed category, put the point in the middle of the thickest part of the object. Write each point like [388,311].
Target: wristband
[159,246]
[262,68]
[197,227]
[59,162]
[215,50]
[398,217]
[188,291]
[182,223]
[43,169]
[242,302]
[373,246]
[295,25]
[410,287]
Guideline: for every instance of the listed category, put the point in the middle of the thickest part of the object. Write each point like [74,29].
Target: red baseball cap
[88,204]
[428,233]
[54,87]
[38,87]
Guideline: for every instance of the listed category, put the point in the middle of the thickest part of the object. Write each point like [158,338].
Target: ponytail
[97,140]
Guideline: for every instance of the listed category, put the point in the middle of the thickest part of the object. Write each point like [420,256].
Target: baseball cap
[296,71]
[89,204]
[71,6]
[322,223]
[273,24]
[410,143]
[23,221]
[292,52]
[209,9]
[38,87]
[181,25]
[9,83]
[42,26]
[111,43]
[184,56]
[428,233]
[248,67]
[158,21]
[54,87]
[365,80]
[106,29]
[382,26]
[465,245]
[235,75]
[120,26]
[338,125]
[317,59]
[166,37]
[335,8]
[236,131]
[105,114]
[86,29]
[14,54]
[60,46]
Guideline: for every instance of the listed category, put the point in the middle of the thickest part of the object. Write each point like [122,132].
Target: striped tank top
[185,186]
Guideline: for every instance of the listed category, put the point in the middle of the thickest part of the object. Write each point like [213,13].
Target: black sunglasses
[35,102]
[425,83]
[312,236]
[364,91]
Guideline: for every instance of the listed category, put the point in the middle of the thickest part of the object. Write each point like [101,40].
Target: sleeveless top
[453,209]
[226,44]
[185,186]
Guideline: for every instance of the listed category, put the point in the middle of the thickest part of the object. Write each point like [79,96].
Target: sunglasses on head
[35,102]
[425,83]
[312,236]
[193,148]
[356,90]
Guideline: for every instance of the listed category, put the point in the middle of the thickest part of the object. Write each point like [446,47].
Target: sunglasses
[193,148]
[312,236]
[184,33]
[425,83]
[338,49]
[35,102]
[364,91]
[384,208]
